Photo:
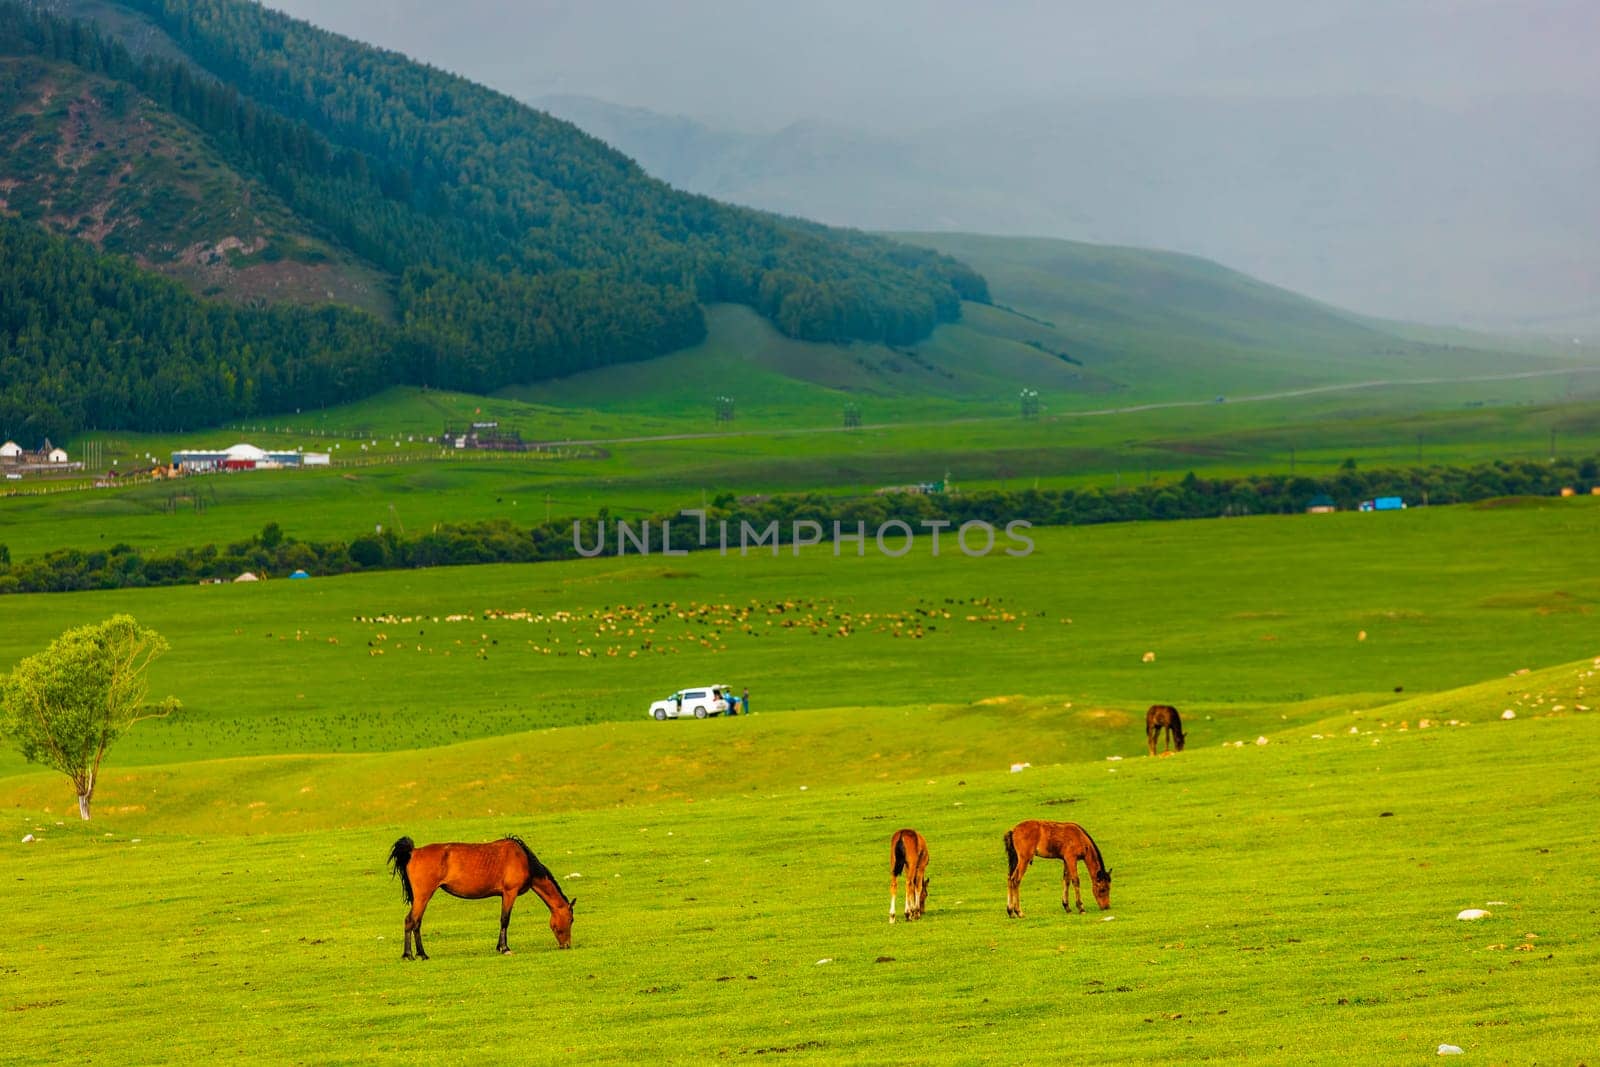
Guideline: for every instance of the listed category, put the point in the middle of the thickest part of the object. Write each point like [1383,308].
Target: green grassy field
[654,472]
[1255,610]
[1292,902]
[1287,901]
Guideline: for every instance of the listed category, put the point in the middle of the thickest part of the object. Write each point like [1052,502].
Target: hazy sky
[1408,158]
[760,64]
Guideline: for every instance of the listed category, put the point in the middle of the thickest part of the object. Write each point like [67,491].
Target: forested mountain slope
[512,246]
[88,339]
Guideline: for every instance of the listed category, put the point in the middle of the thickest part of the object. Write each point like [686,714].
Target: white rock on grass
[1261,740]
[1473,913]
[1018,768]
[1508,714]
[1449,1050]
[28,839]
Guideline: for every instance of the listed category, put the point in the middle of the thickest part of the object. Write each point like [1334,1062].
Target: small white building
[56,455]
[10,450]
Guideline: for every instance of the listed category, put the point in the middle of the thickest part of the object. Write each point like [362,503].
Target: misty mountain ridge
[1477,214]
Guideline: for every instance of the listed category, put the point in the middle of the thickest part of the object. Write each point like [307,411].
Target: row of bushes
[270,552]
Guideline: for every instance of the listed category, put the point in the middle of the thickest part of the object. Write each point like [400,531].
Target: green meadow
[682,465]
[1285,890]
[1264,609]
[1289,902]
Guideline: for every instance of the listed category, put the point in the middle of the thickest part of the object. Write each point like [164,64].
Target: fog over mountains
[1426,159]
[1481,215]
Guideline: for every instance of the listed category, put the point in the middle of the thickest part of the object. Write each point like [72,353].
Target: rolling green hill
[1087,326]
[1164,323]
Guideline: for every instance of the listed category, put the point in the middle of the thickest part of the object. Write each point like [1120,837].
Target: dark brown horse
[1163,716]
[908,852]
[506,868]
[1064,841]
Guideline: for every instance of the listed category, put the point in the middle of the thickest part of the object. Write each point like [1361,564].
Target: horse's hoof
[424,956]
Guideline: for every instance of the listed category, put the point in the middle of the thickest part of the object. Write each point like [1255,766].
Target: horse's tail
[399,860]
[899,855]
[1011,854]
[1177,728]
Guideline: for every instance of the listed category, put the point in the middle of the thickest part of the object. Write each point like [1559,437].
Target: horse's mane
[1098,858]
[535,868]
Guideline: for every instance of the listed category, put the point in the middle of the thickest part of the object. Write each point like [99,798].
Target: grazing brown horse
[1064,841]
[908,852]
[506,868]
[1159,716]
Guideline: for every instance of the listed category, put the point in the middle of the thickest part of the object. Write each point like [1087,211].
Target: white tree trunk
[83,806]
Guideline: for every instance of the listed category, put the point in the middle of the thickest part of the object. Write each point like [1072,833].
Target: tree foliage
[91,340]
[274,552]
[65,706]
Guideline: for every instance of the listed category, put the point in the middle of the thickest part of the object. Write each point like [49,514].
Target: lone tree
[63,707]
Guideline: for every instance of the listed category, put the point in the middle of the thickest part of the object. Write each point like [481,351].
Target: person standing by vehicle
[678,696]
[744,701]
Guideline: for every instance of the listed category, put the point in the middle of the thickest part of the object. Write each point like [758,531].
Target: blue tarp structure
[299,574]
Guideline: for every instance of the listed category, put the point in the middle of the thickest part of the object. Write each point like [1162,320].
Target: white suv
[699,701]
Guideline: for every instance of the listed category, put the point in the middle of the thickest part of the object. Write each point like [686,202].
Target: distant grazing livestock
[908,853]
[1064,841]
[1159,716]
[506,868]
